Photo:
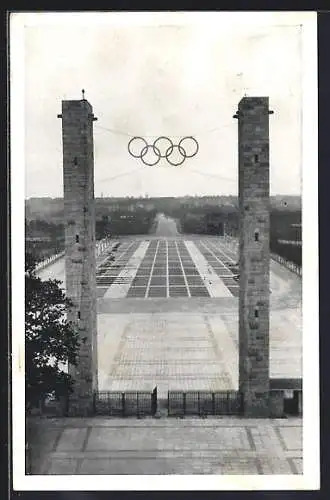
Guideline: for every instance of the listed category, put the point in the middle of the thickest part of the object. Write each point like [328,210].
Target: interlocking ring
[175,154]
[145,151]
[192,139]
[162,138]
[182,152]
[136,139]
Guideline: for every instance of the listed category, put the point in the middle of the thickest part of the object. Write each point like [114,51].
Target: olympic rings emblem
[151,154]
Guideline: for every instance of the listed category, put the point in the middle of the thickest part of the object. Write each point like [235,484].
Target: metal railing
[295,268]
[287,263]
[204,403]
[48,261]
[124,404]
[100,247]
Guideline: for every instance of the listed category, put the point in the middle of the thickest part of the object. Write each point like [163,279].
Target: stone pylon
[253,142]
[80,266]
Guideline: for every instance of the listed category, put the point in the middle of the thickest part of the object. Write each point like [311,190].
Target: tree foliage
[51,341]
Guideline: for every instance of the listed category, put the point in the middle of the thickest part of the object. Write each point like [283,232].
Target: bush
[50,340]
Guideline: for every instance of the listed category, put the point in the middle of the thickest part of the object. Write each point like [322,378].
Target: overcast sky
[162,78]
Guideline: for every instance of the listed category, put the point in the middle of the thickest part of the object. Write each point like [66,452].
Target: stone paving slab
[55,423]
[290,437]
[161,466]
[200,453]
[167,446]
[71,439]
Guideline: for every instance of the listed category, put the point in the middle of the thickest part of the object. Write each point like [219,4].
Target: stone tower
[253,140]
[80,266]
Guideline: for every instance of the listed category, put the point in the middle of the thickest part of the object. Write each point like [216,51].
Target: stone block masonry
[80,265]
[253,138]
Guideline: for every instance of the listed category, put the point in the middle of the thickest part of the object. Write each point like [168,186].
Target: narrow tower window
[78,314]
[256,313]
[77,238]
[256,235]
[256,158]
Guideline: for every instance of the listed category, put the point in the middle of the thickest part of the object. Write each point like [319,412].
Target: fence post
[109,406]
[123,403]
[154,401]
[94,402]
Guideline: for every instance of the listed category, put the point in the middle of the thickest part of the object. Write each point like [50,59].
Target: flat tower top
[77,104]
[249,102]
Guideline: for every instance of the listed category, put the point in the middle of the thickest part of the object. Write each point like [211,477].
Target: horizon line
[144,197]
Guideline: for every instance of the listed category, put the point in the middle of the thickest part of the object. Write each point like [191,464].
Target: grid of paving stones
[171,446]
[145,350]
[167,270]
[223,262]
[109,269]
[168,279]
[186,350]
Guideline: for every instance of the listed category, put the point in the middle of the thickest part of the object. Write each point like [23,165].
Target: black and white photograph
[164,250]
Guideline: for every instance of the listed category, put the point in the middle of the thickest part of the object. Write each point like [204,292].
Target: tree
[50,340]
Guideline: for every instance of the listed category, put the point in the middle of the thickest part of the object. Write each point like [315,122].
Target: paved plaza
[168,316]
[168,446]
